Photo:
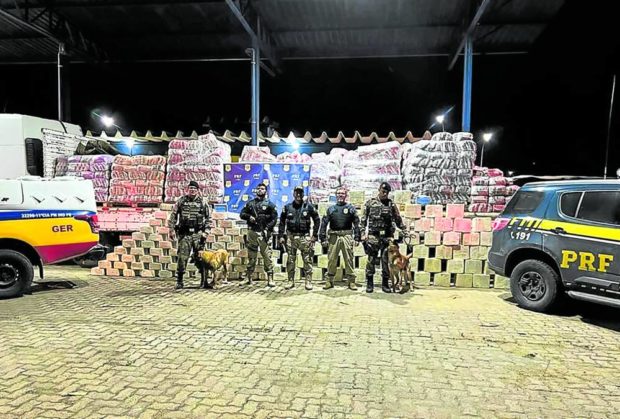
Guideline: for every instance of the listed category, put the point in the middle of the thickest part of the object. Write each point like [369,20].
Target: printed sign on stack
[241,179]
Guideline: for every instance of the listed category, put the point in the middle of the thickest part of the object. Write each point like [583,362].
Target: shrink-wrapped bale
[440,168]
[137,179]
[200,160]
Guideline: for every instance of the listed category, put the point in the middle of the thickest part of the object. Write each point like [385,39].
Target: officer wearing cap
[380,215]
[189,220]
[344,233]
[295,231]
[261,215]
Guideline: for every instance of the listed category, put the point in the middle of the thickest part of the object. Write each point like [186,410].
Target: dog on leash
[211,261]
[398,264]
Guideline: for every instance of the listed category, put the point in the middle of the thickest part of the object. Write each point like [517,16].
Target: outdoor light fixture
[293,140]
[440,118]
[486,137]
[107,121]
[129,142]
[618,173]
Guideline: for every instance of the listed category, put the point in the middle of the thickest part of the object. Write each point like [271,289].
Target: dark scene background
[548,109]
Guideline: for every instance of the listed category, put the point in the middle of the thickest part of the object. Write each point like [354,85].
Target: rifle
[263,231]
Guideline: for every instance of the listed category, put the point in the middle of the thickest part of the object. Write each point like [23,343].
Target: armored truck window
[600,207]
[524,202]
[569,203]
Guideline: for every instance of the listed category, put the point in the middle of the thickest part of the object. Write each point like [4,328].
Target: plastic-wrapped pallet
[137,179]
[94,167]
[490,190]
[199,159]
[368,166]
[325,174]
[57,144]
[440,168]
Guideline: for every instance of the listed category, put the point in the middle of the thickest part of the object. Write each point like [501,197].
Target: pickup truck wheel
[16,273]
[535,285]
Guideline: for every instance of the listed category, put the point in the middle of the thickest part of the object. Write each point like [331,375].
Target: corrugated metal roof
[182,29]
[276,138]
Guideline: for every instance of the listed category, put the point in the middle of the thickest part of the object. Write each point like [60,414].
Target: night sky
[548,108]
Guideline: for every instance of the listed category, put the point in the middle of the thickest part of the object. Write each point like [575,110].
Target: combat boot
[179,280]
[247,280]
[290,283]
[308,284]
[329,283]
[270,281]
[385,285]
[352,285]
[370,284]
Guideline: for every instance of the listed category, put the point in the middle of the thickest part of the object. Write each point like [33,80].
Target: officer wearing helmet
[298,230]
[189,220]
[380,216]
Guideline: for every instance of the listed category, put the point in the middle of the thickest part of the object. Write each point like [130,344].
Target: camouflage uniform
[189,219]
[344,228]
[379,217]
[294,228]
[259,234]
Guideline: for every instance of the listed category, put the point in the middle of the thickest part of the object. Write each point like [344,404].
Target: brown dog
[212,261]
[398,264]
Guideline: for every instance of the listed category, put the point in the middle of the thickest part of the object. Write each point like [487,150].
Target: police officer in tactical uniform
[380,215]
[344,231]
[261,215]
[189,219]
[294,231]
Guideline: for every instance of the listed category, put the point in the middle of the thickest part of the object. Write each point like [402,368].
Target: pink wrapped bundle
[480,190]
[101,195]
[76,167]
[498,181]
[498,190]
[512,189]
[480,181]
[137,172]
[256,154]
[60,168]
[480,208]
[185,144]
[481,171]
[480,199]
[495,173]
[498,208]
[497,200]
[100,183]
[386,151]
[134,182]
[176,175]
[294,157]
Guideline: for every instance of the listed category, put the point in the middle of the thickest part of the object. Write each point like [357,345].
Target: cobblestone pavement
[127,348]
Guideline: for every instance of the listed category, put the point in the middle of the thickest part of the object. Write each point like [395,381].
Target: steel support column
[61,51]
[255,93]
[467,84]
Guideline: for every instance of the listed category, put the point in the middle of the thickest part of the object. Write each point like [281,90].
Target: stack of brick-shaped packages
[449,247]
